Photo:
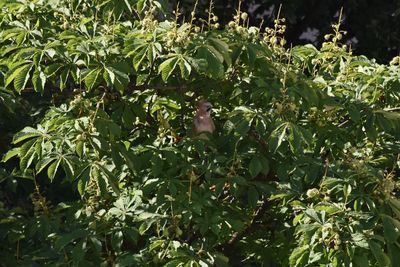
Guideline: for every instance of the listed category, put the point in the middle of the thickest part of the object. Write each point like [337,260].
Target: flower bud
[312,192]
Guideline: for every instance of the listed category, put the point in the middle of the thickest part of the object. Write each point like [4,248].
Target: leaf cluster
[302,170]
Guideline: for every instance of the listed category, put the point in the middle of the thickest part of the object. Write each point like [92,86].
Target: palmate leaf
[255,166]
[64,78]
[299,256]
[185,68]
[20,76]
[52,170]
[391,228]
[93,78]
[380,256]
[65,239]
[39,81]
[116,78]
[53,69]
[298,136]
[27,132]
[112,180]
[167,67]
[277,136]
[43,163]
[222,47]
[214,60]
[10,154]
[27,154]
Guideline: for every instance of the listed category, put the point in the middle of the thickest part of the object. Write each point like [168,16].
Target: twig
[343,124]
[237,236]
[156,87]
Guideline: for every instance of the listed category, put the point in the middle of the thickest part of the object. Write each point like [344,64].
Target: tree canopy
[372,26]
[100,167]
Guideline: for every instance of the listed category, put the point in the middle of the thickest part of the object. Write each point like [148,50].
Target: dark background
[373,26]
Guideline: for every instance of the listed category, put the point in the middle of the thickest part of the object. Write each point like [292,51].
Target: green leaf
[295,140]
[116,78]
[65,239]
[11,153]
[277,137]
[109,76]
[313,214]
[391,228]
[215,68]
[354,113]
[243,126]
[128,5]
[26,153]
[394,252]
[39,81]
[378,253]
[52,69]
[222,48]
[252,196]
[27,132]
[359,240]
[185,68]
[63,78]
[361,261]
[112,180]
[20,76]
[255,166]
[265,165]
[298,255]
[251,54]
[167,67]
[221,260]
[52,170]
[43,163]
[92,78]
[389,115]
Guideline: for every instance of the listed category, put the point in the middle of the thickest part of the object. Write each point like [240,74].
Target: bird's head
[204,108]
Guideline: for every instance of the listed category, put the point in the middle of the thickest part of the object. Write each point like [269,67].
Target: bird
[202,122]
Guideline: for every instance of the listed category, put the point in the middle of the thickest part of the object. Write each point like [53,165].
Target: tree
[303,168]
[371,25]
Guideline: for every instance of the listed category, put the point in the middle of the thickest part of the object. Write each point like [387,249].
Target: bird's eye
[208,108]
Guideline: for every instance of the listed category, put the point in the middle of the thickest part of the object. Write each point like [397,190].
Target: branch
[157,87]
[237,236]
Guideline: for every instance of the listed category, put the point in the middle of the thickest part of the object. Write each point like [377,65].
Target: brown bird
[203,122]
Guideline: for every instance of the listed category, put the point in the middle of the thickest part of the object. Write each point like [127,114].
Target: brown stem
[237,236]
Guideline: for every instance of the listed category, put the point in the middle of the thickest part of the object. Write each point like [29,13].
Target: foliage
[303,169]
[371,25]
